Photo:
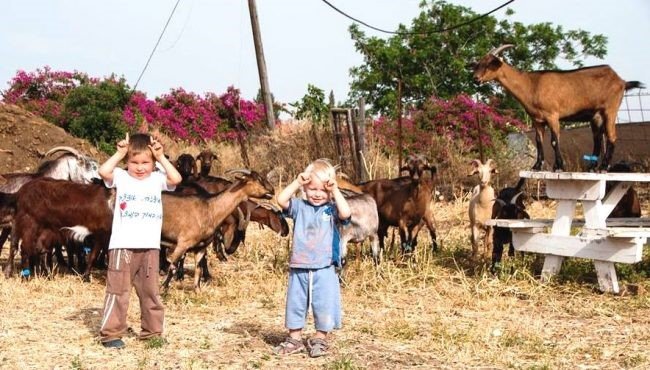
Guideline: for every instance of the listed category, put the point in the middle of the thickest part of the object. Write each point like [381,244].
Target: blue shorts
[325,298]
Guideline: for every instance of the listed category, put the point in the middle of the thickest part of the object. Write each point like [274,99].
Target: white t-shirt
[138,214]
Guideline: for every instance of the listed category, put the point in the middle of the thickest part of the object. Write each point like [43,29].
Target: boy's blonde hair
[322,168]
[139,143]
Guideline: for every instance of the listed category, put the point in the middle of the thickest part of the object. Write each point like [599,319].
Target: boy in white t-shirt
[135,239]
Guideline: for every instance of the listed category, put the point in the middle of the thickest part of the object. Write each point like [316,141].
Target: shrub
[94,112]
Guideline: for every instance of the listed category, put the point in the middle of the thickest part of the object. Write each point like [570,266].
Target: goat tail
[634,85]
[77,233]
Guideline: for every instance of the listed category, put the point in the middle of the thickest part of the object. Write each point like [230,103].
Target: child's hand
[331,185]
[156,148]
[304,178]
[123,145]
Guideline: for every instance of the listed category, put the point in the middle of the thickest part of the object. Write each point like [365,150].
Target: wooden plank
[575,189]
[628,221]
[547,222]
[629,232]
[607,280]
[623,250]
[610,176]
[541,223]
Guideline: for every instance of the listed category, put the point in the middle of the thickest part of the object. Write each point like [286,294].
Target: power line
[156,46]
[416,33]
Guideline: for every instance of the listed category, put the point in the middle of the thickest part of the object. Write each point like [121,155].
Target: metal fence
[634,108]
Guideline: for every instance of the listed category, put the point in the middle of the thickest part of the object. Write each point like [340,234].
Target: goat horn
[513,201]
[500,49]
[268,205]
[63,148]
[239,170]
[475,163]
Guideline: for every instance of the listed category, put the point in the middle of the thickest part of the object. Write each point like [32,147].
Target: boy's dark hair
[139,143]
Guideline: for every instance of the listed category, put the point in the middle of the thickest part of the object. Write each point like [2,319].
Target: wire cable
[156,46]
[417,33]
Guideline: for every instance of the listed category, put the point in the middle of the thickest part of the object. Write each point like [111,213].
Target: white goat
[363,224]
[481,203]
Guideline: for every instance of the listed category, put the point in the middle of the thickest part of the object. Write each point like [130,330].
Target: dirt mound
[25,137]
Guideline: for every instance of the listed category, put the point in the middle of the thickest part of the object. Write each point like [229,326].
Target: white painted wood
[629,232]
[628,221]
[575,189]
[614,196]
[610,176]
[520,223]
[547,222]
[620,249]
[564,216]
[607,280]
[552,265]
[594,214]
[601,240]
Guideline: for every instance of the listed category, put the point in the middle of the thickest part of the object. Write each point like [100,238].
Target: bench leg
[551,267]
[607,279]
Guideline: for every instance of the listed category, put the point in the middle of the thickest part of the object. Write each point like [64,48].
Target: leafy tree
[95,112]
[312,106]
[277,106]
[433,63]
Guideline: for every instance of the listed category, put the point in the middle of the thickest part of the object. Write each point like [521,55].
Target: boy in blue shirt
[314,254]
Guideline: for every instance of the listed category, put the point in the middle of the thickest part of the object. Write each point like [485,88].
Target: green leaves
[94,112]
[432,63]
[312,106]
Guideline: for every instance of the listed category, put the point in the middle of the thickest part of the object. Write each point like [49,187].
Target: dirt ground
[27,138]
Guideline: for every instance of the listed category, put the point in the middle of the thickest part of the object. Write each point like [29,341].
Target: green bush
[94,112]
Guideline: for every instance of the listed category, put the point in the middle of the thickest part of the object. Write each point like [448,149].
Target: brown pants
[140,268]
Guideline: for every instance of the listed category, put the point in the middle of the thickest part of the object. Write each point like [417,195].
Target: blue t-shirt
[315,235]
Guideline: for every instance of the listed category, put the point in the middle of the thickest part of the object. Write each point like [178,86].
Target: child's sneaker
[115,343]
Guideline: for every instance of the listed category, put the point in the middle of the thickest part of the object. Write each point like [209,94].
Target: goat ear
[495,63]
[432,169]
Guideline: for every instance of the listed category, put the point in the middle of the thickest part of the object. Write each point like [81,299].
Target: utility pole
[399,126]
[261,64]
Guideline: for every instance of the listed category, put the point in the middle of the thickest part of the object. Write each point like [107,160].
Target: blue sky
[208,44]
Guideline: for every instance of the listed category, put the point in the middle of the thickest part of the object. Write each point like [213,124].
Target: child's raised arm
[342,205]
[285,195]
[106,169]
[173,176]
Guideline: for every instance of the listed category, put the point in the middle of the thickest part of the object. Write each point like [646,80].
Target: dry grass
[435,311]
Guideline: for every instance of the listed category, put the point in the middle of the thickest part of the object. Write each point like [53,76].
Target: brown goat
[186,166]
[586,94]
[196,218]
[56,204]
[405,202]
[204,160]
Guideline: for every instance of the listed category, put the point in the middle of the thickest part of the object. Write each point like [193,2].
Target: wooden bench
[621,241]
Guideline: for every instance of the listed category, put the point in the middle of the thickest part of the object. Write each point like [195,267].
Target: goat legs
[198,256]
[12,251]
[539,143]
[555,143]
[597,132]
